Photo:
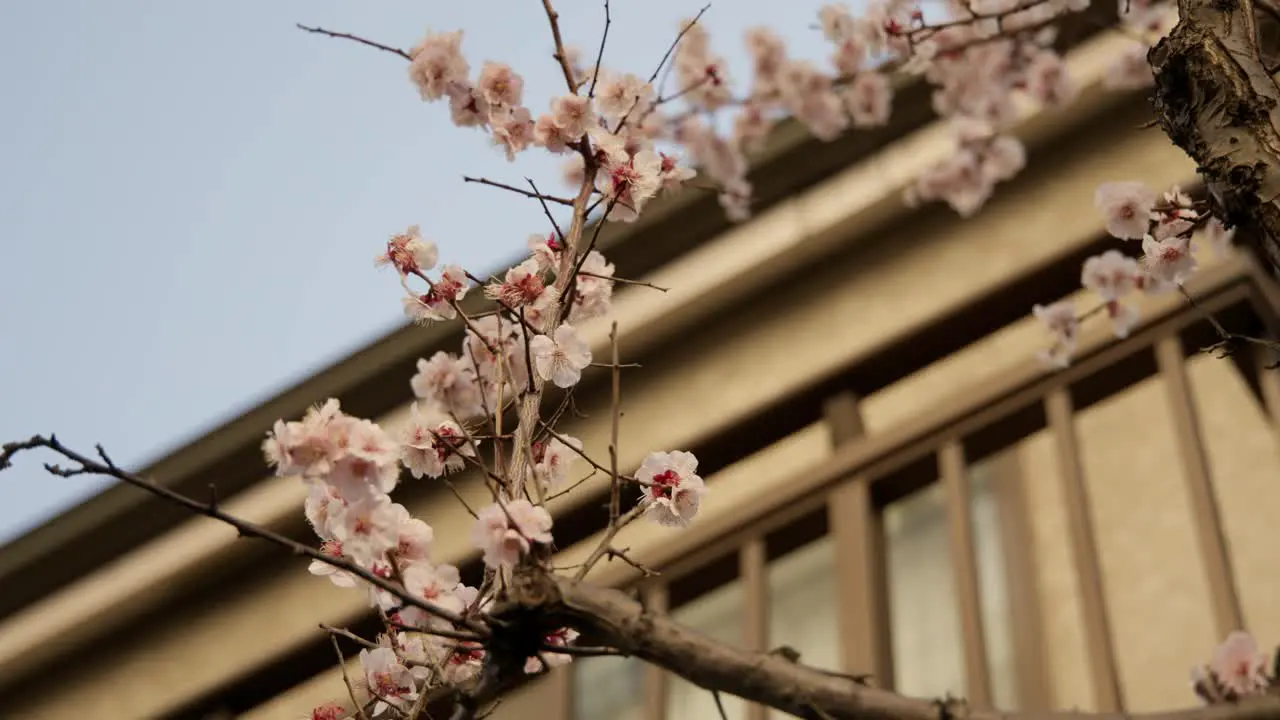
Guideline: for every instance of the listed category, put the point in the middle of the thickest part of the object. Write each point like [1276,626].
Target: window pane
[928,656]
[608,687]
[718,614]
[802,604]
[924,619]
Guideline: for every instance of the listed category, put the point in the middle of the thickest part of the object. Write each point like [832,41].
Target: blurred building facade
[896,485]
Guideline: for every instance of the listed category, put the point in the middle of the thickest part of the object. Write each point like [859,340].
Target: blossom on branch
[1126,207]
[507,531]
[671,487]
[562,359]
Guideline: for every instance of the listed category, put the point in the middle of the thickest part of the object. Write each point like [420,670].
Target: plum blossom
[869,99]
[500,86]
[593,289]
[1238,670]
[1112,275]
[433,445]
[1061,321]
[562,359]
[1220,237]
[1126,207]
[513,130]
[439,302]
[388,679]
[337,576]
[328,711]
[308,447]
[1169,261]
[629,182]
[560,638]
[617,94]
[450,383]
[672,488]
[552,460]
[522,286]
[409,253]
[438,65]
[507,532]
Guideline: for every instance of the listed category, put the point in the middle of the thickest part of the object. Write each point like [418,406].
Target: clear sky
[191,195]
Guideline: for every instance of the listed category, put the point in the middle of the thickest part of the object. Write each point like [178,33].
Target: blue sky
[191,195]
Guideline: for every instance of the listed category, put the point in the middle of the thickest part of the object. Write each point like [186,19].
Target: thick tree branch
[1216,99]
[771,679]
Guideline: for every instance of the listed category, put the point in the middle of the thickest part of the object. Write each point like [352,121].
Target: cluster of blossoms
[623,138]
[1238,671]
[1165,225]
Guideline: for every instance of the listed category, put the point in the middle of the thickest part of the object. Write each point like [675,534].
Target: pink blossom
[438,64]
[1169,261]
[560,638]
[561,360]
[328,711]
[552,460]
[572,114]
[432,445]
[1060,318]
[1219,236]
[409,253]
[672,487]
[439,302]
[522,286]
[500,86]
[620,94]
[869,99]
[1126,207]
[1238,665]
[506,533]
[513,130]
[388,679]
[593,291]
[449,382]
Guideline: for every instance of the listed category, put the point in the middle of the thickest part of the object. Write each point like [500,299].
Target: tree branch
[356,38]
[803,691]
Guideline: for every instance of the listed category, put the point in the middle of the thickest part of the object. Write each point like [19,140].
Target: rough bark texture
[802,691]
[1216,100]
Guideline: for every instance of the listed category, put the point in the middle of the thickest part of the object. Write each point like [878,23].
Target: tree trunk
[1216,100]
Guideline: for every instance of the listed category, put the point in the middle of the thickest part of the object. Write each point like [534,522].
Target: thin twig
[518,191]
[560,55]
[108,468]
[595,74]
[346,678]
[357,38]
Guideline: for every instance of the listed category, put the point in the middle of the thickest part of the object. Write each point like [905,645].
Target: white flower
[671,486]
[387,678]
[432,445]
[1219,236]
[560,638]
[1061,320]
[560,360]
[1126,208]
[1169,260]
[506,533]
[618,94]
[409,253]
[1238,665]
[552,460]
[450,382]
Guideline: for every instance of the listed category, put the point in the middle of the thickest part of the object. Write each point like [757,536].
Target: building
[896,485]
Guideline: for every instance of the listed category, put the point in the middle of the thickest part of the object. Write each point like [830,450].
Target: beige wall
[1152,571]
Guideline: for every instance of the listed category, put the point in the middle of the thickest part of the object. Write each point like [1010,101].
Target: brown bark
[1216,100]
[771,679]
